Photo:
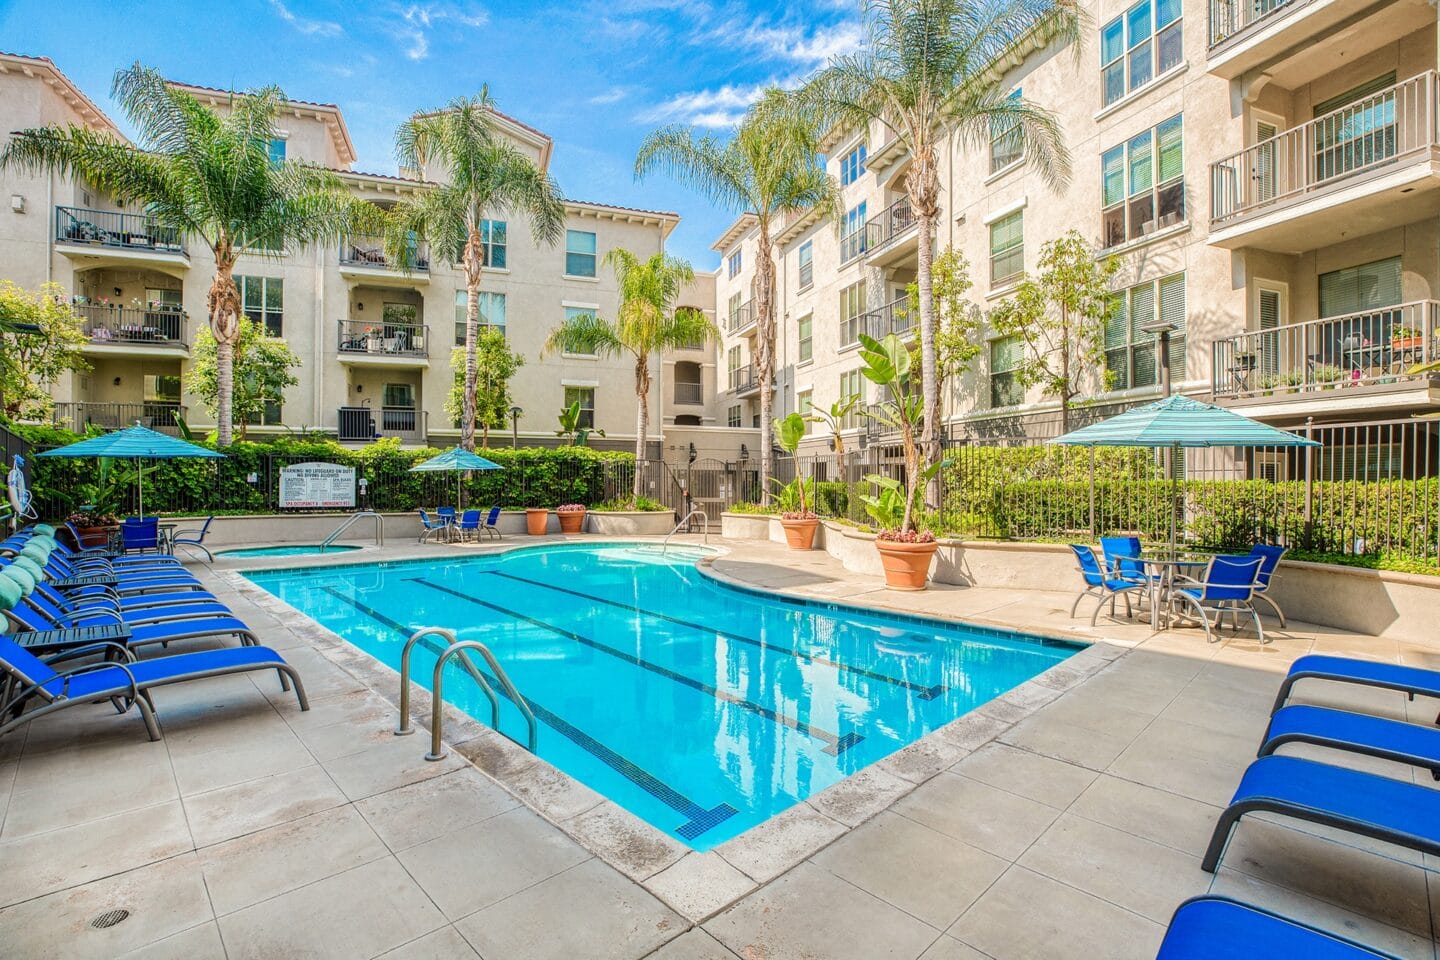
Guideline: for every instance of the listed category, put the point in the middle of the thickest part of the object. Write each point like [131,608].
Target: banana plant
[789,432]
[572,428]
[887,365]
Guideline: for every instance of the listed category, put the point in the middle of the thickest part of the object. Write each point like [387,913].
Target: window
[262,299]
[803,404]
[734,263]
[1138,46]
[732,365]
[277,151]
[805,329]
[570,314]
[732,416]
[1005,388]
[852,384]
[732,313]
[1007,247]
[807,264]
[1130,351]
[1369,286]
[492,314]
[585,396]
[1005,143]
[162,298]
[492,235]
[1142,184]
[852,237]
[162,387]
[852,165]
[852,306]
[579,253]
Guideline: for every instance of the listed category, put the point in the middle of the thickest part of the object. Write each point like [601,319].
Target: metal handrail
[684,520]
[453,648]
[350,521]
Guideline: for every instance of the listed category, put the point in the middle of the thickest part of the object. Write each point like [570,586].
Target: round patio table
[1161,570]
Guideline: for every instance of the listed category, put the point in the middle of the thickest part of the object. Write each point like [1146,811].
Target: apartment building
[375,341]
[1265,172]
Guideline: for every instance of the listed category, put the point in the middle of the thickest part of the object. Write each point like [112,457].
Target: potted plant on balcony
[795,513]
[905,552]
[1406,338]
[572,517]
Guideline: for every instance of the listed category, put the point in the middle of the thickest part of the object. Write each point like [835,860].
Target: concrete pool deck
[1063,822]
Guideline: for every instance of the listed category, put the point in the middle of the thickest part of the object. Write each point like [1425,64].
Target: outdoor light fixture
[515,413]
[692,453]
[744,452]
[17,203]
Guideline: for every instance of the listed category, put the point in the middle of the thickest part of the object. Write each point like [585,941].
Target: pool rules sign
[311,485]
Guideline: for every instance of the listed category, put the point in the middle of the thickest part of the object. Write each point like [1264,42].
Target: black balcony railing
[689,392]
[743,378]
[109,228]
[383,339]
[895,317]
[366,423]
[1228,18]
[158,324]
[891,223]
[370,252]
[741,317]
[157,415]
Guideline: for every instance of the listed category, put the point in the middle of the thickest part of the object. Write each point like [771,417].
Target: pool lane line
[923,691]
[835,744]
[698,819]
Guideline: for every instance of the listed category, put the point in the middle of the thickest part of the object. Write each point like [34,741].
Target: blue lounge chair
[1395,811]
[193,539]
[492,520]
[1121,558]
[1218,928]
[430,528]
[1269,560]
[46,602]
[129,682]
[140,535]
[1097,584]
[1228,587]
[1354,733]
[26,615]
[469,523]
[1366,673]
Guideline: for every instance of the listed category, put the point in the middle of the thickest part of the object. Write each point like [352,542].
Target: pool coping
[697,884]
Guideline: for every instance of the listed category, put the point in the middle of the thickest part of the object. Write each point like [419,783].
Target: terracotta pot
[535,521]
[571,520]
[95,536]
[800,534]
[907,565]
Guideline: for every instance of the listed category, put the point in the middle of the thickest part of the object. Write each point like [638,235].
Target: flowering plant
[570,508]
[906,536]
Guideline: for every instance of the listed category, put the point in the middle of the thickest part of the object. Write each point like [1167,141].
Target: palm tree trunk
[642,420]
[473,261]
[765,353]
[223,304]
[923,183]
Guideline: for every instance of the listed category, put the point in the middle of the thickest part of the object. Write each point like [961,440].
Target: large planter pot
[630,523]
[535,521]
[907,565]
[571,521]
[95,536]
[800,534]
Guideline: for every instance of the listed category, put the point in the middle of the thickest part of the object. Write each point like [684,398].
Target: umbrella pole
[140,485]
[1174,500]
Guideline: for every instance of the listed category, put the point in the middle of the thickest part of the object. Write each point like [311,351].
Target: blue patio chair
[1218,928]
[1121,555]
[430,528]
[193,539]
[1228,587]
[43,689]
[491,526]
[1349,732]
[1381,808]
[469,523]
[1411,681]
[1098,585]
[140,535]
[1269,559]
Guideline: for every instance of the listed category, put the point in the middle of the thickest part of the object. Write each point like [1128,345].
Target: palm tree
[485,175]
[768,167]
[931,69]
[648,322]
[203,175]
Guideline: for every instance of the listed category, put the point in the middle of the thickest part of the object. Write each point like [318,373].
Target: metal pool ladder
[457,648]
[350,522]
[684,520]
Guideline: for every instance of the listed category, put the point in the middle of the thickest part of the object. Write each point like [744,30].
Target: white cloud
[798,44]
[706,108]
[421,18]
[321,28]
[613,95]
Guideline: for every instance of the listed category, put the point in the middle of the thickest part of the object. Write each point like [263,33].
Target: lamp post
[515,427]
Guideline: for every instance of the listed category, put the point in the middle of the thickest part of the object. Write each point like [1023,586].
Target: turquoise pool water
[289,550]
[702,709]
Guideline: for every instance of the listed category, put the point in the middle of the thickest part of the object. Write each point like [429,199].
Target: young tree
[834,420]
[40,339]
[958,321]
[768,167]
[484,176]
[648,322]
[261,370]
[496,364]
[928,72]
[208,176]
[1059,317]
[572,426]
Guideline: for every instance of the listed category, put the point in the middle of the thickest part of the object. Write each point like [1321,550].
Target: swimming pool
[288,550]
[702,709]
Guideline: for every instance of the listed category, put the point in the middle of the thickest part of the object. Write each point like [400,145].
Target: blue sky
[595,75]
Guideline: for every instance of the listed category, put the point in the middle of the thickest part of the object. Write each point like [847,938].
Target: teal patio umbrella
[1179,422]
[458,460]
[135,443]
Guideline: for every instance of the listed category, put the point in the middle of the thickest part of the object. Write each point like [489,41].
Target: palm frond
[584,333]
[702,162]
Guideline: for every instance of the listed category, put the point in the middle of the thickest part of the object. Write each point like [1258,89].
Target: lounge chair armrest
[90,603]
[126,654]
[177,534]
[69,672]
[88,614]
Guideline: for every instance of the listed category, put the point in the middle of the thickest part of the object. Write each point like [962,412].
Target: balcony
[157,415]
[690,393]
[852,245]
[891,237]
[379,344]
[1360,360]
[743,382]
[153,331]
[741,319]
[360,425]
[1365,167]
[895,317]
[363,258]
[1291,40]
[108,237]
